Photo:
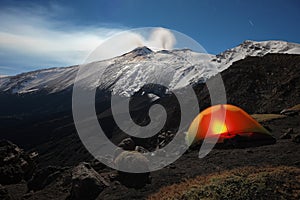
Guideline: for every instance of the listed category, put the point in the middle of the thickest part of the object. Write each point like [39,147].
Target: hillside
[265,84]
[42,121]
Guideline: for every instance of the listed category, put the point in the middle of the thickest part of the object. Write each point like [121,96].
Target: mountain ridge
[127,71]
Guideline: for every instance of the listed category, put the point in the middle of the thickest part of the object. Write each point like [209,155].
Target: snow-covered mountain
[126,74]
[253,48]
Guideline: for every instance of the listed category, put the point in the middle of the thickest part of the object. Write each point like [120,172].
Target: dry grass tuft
[244,183]
[296,107]
[266,117]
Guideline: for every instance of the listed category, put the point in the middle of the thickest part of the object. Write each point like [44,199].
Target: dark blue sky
[217,25]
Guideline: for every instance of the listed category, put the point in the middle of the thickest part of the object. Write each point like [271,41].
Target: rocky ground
[92,180]
[57,166]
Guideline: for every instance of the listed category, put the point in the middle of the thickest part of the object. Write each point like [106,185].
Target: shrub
[242,183]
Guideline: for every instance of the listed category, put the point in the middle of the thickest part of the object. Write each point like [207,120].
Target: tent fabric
[225,121]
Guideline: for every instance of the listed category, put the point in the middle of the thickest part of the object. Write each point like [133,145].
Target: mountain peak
[278,44]
[126,77]
[255,48]
[139,51]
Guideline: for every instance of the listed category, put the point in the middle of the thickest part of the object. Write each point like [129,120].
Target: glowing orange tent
[226,122]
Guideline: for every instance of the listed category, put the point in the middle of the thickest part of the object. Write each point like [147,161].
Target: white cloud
[158,39]
[36,37]
[32,37]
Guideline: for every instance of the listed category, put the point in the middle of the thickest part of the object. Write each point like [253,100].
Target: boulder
[164,138]
[43,177]
[141,149]
[289,112]
[296,138]
[117,152]
[15,164]
[4,195]
[286,136]
[127,144]
[290,131]
[97,165]
[125,161]
[86,183]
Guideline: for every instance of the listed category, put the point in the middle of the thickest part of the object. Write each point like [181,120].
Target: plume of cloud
[31,38]
[126,41]
[162,39]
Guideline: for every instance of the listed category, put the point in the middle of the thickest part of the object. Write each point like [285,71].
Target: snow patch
[126,74]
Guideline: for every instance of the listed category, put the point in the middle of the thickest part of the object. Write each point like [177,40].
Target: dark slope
[284,153]
[265,84]
[257,84]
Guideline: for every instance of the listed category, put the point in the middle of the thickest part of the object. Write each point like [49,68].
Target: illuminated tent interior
[227,123]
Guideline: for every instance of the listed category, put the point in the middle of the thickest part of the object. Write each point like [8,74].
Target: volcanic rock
[290,131]
[15,164]
[86,183]
[289,112]
[141,149]
[43,177]
[127,144]
[97,165]
[125,161]
[286,136]
[296,138]
[4,193]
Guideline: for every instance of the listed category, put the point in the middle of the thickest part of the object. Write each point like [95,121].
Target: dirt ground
[285,152]
[263,87]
